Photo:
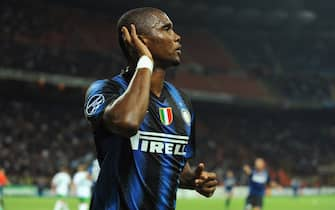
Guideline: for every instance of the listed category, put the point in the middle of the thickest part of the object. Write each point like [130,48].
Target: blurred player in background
[3,182]
[82,186]
[60,185]
[295,185]
[144,126]
[258,180]
[229,182]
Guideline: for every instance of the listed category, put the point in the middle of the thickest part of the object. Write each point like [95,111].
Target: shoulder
[63,174]
[100,86]
[186,98]
[188,102]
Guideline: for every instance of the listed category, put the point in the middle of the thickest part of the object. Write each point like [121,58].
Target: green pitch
[271,203]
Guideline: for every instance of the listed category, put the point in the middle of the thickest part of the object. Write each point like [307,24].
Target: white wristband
[145,62]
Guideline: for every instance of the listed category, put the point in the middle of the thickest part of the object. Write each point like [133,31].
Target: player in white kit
[60,185]
[82,185]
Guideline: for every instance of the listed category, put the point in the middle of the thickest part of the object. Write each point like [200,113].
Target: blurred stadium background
[261,75]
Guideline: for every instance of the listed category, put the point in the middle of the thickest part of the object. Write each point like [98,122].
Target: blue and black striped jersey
[141,172]
[258,181]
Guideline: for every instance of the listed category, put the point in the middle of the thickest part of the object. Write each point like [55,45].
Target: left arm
[202,181]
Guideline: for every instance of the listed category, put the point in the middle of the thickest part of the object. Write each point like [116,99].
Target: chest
[259,178]
[166,128]
[170,116]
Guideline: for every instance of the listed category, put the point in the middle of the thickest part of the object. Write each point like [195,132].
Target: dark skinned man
[144,126]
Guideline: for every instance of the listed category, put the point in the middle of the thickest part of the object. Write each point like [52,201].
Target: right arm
[125,115]
[247,170]
[127,112]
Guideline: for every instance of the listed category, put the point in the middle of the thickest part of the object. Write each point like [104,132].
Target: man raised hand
[143,125]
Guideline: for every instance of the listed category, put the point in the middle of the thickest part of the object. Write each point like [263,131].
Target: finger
[208,192]
[133,30]
[208,189]
[125,35]
[134,36]
[211,175]
[211,183]
[206,182]
[200,168]
[199,182]
[204,175]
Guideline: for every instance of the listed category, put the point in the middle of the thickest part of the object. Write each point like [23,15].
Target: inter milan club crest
[186,116]
[166,116]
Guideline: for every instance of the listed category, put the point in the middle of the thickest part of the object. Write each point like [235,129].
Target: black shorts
[254,201]
[228,189]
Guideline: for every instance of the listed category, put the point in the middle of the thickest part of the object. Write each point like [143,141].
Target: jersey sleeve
[98,96]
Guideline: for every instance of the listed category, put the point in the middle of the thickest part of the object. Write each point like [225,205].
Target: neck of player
[157,78]
[157,81]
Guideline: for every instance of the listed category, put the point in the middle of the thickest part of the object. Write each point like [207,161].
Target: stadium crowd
[38,138]
[241,136]
[81,42]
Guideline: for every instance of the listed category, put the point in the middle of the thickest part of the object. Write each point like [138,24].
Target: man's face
[230,174]
[259,164]
[163,42]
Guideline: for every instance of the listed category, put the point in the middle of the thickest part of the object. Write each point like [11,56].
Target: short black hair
[141,18]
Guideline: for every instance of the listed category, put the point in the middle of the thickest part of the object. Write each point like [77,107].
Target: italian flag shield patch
[166,116]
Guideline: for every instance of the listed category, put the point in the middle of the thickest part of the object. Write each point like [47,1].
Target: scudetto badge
[166,115]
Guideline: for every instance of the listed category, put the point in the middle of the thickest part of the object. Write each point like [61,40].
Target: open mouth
[178,50]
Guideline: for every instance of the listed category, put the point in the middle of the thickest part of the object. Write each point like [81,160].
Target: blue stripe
[135,197]
[120,80]
[115,201]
